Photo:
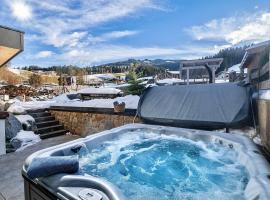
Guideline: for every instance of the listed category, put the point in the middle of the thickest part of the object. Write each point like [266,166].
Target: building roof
[235,68]
[174,72]
[253,50]
[11,44]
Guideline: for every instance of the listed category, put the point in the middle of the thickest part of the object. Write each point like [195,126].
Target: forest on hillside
[145,67]
[231,56]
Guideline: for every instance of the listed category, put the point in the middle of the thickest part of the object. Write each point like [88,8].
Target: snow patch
[131,102]
[15,108]
[264,94]
[257,140]
[22,107]
[25,119]
[19,107]
[27,138]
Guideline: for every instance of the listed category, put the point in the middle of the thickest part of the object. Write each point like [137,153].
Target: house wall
[264,122]
[85,123]
[258,78]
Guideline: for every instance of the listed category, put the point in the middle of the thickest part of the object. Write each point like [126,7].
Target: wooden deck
[11,181]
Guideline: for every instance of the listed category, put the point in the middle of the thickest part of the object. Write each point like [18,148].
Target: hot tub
[139,161]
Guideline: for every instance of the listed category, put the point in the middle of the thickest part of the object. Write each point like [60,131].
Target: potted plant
[119,107]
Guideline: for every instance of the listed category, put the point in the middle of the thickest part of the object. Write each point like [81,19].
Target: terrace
[188,139]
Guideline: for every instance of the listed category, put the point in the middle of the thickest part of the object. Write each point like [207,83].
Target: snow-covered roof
[235,68]
[145,78]
[91,78]
[173,72]
[101,90]
[170,81]
[105,76]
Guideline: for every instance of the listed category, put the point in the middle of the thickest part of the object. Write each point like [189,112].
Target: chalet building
[256,61]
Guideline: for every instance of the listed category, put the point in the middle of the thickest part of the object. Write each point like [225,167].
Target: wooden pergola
[11,44]
[211,65]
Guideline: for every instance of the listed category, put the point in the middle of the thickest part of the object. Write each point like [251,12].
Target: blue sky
[84,33]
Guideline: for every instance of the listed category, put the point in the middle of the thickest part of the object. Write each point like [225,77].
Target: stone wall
[87,123]
[264,122]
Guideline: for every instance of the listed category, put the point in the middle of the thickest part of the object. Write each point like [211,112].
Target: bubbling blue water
[148,165]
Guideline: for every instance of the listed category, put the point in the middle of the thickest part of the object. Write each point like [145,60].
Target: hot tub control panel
[88,194]
[79,193]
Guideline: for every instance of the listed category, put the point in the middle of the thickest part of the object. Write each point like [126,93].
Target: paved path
[11,181]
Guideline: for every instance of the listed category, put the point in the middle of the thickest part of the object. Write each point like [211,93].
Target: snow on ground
[25,119]
[131,101]
[22,107]
[19,107]
[27,138]
[101,90]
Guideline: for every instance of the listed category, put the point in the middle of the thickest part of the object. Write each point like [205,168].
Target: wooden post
[3,116]
[214,74]
[180,71]
[187,76]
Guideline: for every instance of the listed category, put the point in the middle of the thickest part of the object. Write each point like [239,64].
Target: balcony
[11,44]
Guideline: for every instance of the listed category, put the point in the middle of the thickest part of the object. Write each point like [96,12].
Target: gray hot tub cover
[208,106]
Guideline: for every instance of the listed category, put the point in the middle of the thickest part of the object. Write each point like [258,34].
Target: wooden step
[47,123]
[49,129]
[40,114]
[44,119]
[36,111]
[53,134]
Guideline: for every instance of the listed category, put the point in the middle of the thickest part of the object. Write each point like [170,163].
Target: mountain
[160,63]
[231,56]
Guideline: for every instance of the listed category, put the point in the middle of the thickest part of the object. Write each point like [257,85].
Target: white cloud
[69,29]
[44,54]
[111,35]
[105,53]
[20,10]
[58,21]
[234,30]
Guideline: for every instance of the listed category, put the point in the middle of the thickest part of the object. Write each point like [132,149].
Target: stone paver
[11,181]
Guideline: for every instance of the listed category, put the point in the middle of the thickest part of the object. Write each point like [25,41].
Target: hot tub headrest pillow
[46,166]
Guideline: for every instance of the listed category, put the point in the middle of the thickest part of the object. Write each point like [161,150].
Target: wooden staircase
[47,126]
